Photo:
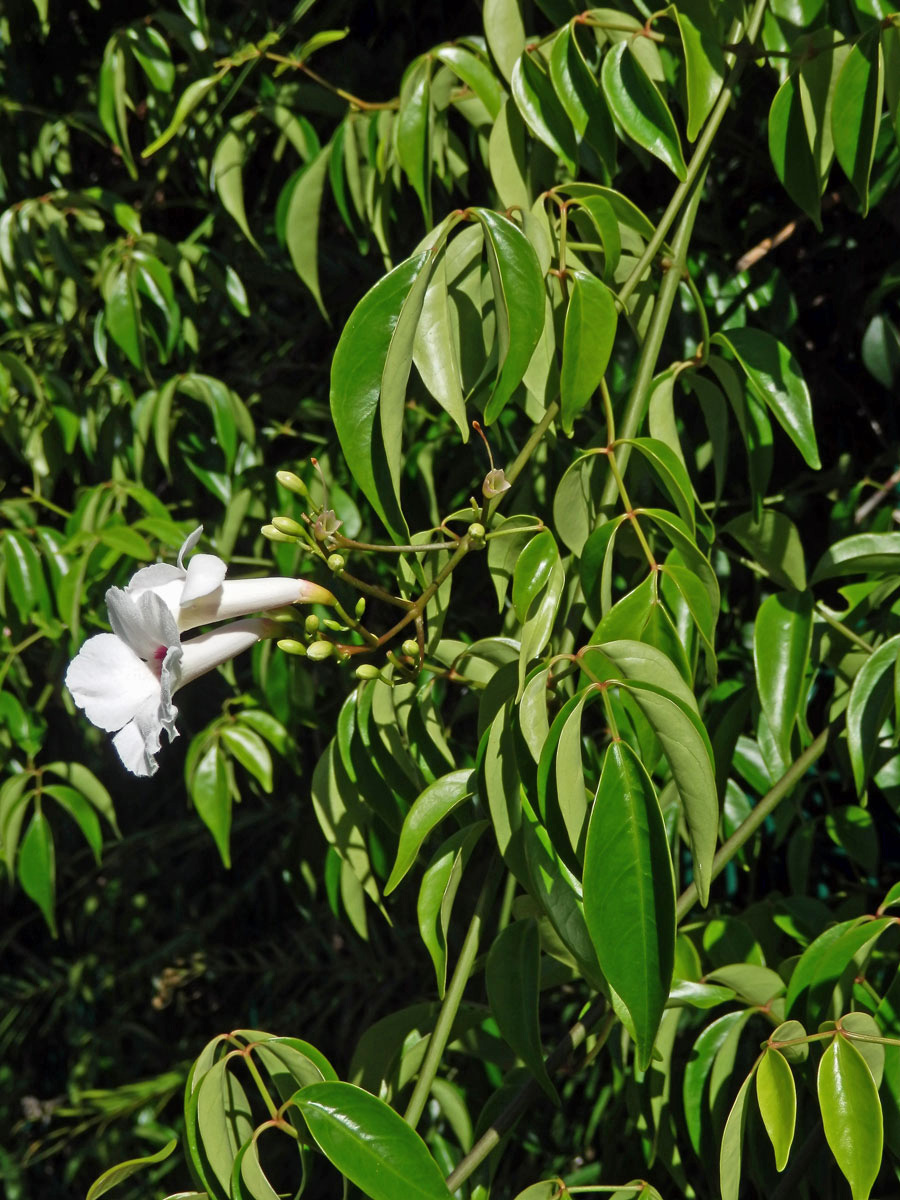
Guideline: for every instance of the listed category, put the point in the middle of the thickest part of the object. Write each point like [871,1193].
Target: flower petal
[165,580]
[204,577]
[188,544]
[138,743]
[239,597]
[110,682]
[145,624]
[217,646]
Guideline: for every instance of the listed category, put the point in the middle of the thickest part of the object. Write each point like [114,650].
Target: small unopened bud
[476,535]
[288,525]
[335,626]
[360,609]
[274,535]
[311,624]
[495,482]
[367,671]
[411,648]
[292,482]
[336,562]
[291,646]
[319,651]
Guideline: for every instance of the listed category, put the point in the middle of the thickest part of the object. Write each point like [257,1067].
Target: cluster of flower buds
[319,526]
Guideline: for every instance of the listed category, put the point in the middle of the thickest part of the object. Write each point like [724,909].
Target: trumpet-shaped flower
[199,594]
[125,680]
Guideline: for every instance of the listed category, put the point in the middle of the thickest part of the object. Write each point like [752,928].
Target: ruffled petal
[138,743]
[110,682]
[188,544]
[128,623]
[204,577]
[169,682]
[165,580]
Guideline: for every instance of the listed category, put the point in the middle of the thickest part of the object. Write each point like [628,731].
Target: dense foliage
[553,841]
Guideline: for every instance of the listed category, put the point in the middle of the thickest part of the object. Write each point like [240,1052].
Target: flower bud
[288,525]
[360,609]
[292,482]
[367,671]
[311,624]
[411,648]
[274,535]
[291,646]
[335,626]
[319,651]
[336,562]
[476,535]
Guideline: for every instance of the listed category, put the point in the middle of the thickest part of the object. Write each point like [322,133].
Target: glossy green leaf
[251,752]
[532,571]
[856,112]
[224,1119]
[697,1072]
[248,1178]
[370,1143]
[590,331]
[302,224]
[826,959]
[777,1097]
[704,60]
[437,893]
[318,41]
[732,1147]
[871,697]
[518,302]
[149,47]
[782,637]
[858,555]
[434,349]
[505,32]
[123,317]
[542,111]
[36,867]
[790,151]
[629,892]
[211,796]
[477,74]
[84,815]
[437,801]
[89,786]
[412,132]
[637,105]
[228,178]
[192,95]
[356,377]
[775,377]
[851,1115]
[774,542]
[512,979]
[581,97]
[121,1171]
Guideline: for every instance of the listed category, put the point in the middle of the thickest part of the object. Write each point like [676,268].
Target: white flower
[125,680]
[199,594]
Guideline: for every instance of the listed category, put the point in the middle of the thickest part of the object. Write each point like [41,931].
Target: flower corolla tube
[125,680]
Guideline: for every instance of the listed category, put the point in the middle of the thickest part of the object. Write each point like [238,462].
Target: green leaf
[115,1175]
[248,1178]
[370,1144]
[697,1071]
[429,809]
[856,112]
[84,816]
[251,752]
[774,376]
[629,892]
[123,317]
[733,1142]
[774,542]
[782,637]
[36,867]
[437,892]
[224,1119]
[228,179]
[192,95]
[824,961]
[518,303]
[590,331]
[777,1099]
[90,787]
[860,554]
[412,131]
[704,60]
[302,218]
[581,96]
[505,32]
[790,151]
[637,105]
[318,41]
[871,698]
[542,111]
[434,349]
[356,379]
[851,1115]
[477,74]
[149,47]
[512,979]
[211,796]
[533,568]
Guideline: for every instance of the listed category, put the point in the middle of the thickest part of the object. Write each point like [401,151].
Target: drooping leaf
[782,637]
[590,331]
[541,110]
[301,230]
[851,1115]
[115,1175]
[436,802]
[856,112]
[637,105]
[777,1097]
[512,978]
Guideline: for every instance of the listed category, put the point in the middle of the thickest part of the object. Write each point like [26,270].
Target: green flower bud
[360,609]
[411,648]
[274,535]
[291,646]
[335,626]
[367,671]
[336,562]
[476,535]
[319,651]
[292,482]
[312,624]
[288,525]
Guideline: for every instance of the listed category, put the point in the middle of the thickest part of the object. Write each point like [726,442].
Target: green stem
[347,543]
[842,628]
[257,1079]
[418,607]
[697,164]
[662,309]
[531,1091]
[452,998]
[747,828]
